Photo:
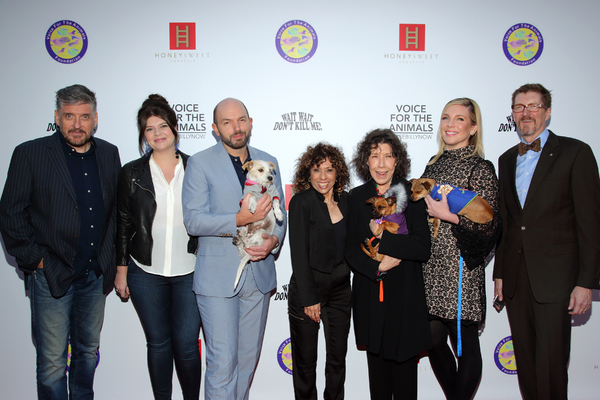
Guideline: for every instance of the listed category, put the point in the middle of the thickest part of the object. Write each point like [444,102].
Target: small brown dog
[389,214]
[461,201]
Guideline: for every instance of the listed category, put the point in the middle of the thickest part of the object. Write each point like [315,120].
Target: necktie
[536,146]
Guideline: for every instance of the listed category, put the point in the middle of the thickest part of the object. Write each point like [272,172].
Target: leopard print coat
[441,270]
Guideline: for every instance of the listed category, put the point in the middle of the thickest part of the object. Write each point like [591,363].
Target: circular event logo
[66,42]
[504,356]
[284,356]
[523,44]
[69,356]
[296,41]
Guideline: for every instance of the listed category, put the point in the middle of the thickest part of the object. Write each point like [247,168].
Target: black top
[312,240]
[86,183]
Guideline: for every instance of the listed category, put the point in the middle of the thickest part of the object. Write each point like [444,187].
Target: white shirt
[169,252]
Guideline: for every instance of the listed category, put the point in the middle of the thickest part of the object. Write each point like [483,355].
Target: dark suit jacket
[39,218]
[312,240]
[557,232]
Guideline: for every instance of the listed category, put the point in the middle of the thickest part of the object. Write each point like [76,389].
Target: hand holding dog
[374,228]
[262,251]
[245,217]
[440,209]
[388,263]
[314,312]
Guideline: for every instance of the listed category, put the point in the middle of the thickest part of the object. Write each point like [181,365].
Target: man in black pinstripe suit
[57,218]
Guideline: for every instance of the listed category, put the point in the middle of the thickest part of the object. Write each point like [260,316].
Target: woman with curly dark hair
[388,297]
[319,288]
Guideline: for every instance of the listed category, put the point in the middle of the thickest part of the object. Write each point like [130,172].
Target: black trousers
[334,292]
[389,379]
[541,335]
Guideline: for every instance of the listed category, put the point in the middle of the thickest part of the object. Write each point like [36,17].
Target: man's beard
[77,142]
[238,144]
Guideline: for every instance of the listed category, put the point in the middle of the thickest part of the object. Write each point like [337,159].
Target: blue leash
[458,324]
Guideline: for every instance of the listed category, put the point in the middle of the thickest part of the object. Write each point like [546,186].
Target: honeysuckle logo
[284,356]
[66,42]
[296,41]
[523,44]
[504,356]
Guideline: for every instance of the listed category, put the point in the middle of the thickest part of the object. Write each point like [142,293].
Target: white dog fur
[259,180]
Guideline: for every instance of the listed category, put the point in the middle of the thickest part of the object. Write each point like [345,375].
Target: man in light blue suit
[233,320]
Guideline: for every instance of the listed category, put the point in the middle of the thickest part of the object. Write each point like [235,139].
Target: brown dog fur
[381,207]
[478,210]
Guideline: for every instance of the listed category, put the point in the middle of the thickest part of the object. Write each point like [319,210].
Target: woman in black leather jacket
[319,288]
[154,262]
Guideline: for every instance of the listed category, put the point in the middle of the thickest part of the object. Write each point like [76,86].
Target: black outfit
[320,275]
[396,330]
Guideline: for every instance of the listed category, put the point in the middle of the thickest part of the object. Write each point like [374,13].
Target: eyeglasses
[518,108]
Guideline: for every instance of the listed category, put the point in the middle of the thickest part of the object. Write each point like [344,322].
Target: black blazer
[312,240]
[39,218]
[557,232]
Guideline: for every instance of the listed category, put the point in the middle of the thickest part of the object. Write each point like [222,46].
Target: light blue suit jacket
[211,198]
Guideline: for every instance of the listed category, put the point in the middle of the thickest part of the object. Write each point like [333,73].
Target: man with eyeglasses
[548,260]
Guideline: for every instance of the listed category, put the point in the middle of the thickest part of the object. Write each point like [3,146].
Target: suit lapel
[549,153]
[106,176]
[227,167]
[511,173]
[57,160]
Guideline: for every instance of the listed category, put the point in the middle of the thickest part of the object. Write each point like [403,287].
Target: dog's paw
[252,205]
[277,212]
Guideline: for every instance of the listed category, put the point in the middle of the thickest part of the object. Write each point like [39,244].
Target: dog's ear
[372,200]
[427,185]
[247,165]
[390,200]
[272,166]
[412,181]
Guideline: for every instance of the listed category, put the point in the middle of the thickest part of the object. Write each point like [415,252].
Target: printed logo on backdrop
[283,295]
[69,355]
[66,42]
[182,44]
[284,356]
[504,356]
[411,45]
[191,123]
[296,41]
[411,121]
[523,44]
[508,126]
[297,121]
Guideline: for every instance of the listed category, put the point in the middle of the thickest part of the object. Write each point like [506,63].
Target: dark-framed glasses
[518,108]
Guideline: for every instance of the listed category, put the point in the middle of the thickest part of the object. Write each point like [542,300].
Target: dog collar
[252,183]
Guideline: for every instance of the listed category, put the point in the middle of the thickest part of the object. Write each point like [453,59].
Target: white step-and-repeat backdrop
[307,71]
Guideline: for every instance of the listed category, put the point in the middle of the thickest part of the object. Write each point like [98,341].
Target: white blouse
[169,252]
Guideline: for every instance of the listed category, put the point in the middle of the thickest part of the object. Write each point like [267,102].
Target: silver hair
[75,94]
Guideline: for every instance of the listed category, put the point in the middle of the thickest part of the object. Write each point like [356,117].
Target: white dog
[259,180]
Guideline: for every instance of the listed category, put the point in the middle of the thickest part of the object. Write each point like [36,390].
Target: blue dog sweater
[458,198]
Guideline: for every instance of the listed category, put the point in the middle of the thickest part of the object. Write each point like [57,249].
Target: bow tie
[535,146]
